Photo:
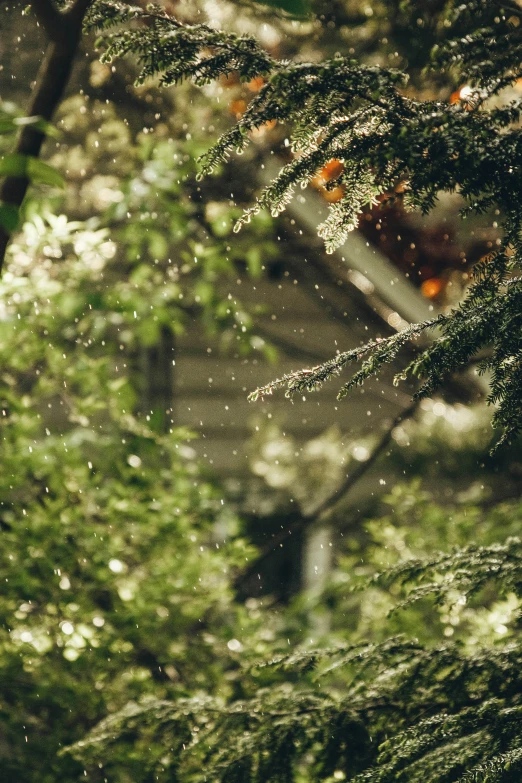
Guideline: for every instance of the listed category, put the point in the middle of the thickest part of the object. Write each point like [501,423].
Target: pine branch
[406,713]
[381,350]
[463,571]
[360,116]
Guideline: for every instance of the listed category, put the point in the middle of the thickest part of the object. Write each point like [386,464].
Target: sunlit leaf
[38,123]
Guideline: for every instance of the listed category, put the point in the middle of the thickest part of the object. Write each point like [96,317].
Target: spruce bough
[389,144]
[404,713]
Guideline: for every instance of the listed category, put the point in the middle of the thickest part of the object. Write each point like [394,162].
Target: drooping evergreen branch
[380,351]
[386,142]
[172,51]
[463,572]
[337,108]
[406,713]
[490,315]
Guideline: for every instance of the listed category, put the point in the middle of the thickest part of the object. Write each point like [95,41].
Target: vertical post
[158,381]
[316,568]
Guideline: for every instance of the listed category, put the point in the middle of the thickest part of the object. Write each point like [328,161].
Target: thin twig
[330,502]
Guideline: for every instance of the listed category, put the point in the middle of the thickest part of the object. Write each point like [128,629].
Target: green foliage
[389,144]
[115,576]
[155,217]
[116,609]
[116,547]
[168,49]
[404,713]
[173,258]
[291,733]
[375,707]
[10,122]
[293,8]
[463,572]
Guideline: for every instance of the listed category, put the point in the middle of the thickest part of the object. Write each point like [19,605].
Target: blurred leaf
[10,124]
[38,123]
[298,8]
[35,170]
[7,124]
[254,261]
[158,245]
[149,331]
[41,172]
[9,217]
[14,165]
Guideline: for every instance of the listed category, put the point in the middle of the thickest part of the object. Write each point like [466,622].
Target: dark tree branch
[75,14]
[48,16]
[363,467]
[330,502]
[63,30]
